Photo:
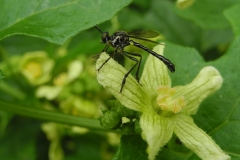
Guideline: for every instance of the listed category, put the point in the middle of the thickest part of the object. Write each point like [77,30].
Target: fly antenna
[98,28]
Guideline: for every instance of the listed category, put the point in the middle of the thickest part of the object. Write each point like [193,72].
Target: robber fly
[120,39]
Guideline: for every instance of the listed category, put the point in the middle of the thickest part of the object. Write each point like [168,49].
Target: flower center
[34,69]
[60,80]
[167,99]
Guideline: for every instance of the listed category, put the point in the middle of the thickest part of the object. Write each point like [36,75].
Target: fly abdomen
[166,61]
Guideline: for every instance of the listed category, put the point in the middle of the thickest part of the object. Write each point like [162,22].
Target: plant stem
[51,116]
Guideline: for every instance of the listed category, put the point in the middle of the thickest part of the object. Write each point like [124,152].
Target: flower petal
[207,82]
[197,140]
[75,68]
[183,4]
[156,131]
[111,75]
[48,92]
[155,73]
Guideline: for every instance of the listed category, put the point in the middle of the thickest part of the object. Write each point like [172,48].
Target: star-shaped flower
[165,110]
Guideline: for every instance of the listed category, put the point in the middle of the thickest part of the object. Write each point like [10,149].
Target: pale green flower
[165,110]
[183,4]
[36,67]
[77,106]
[54,134]
[50,92]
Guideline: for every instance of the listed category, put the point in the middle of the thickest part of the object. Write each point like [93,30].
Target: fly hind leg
[130,56]
[138,62]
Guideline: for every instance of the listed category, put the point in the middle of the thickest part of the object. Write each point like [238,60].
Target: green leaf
[219,115]
[167,154]
[19,139]
[87,147]
[131,147]
[56,20]
[208,14]
[233,15]
[161,16]
[187,61]
[1,75]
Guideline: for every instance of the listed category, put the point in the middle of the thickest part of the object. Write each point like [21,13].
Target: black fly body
[120,39]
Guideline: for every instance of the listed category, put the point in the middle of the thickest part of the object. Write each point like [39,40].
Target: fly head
[105,37]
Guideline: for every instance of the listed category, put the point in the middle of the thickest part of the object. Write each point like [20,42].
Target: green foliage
[206,33]
[227,121]
[1,75]
[208,14]
[232,14]
[24,134]
[131,147]
[55,21]
[177,25]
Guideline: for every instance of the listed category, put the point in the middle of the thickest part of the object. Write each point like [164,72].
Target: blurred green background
[49,79]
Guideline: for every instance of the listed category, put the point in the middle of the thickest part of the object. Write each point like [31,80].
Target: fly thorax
[116,41]
[120,39]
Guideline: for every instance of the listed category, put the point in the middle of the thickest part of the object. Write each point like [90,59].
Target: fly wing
[143,34]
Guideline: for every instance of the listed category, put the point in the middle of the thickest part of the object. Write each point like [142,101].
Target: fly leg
[139,63]
[130,56]
[110,56]
[104,50]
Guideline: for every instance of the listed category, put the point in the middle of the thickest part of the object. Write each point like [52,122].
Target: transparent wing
[143,34]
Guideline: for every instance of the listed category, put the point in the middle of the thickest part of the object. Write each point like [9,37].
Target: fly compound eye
[105,37]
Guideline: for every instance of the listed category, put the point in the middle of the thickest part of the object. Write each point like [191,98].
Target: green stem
[51,116]
[12,91]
